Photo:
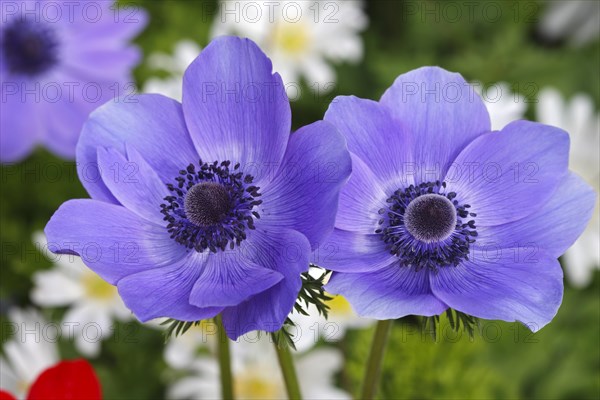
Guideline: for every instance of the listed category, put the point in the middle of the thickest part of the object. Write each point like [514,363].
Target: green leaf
[311,292]
[455,320]
[176,328]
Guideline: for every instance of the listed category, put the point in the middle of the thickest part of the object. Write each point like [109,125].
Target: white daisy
[300,37]
[502,104]
[175,65]
[310,328]
[30,351]
[93,303]
[578,21]
[578,117]
[256,374]
[181,351]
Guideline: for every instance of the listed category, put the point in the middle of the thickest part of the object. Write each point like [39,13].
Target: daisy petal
[55,288]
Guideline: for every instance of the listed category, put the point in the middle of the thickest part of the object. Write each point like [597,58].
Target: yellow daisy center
[97,288]
[250,385]
[292,38]
[339,306]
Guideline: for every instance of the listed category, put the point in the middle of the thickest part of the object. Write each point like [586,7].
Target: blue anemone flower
[59,60]
[209,206]
[440,212]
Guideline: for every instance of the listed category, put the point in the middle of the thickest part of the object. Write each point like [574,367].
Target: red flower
[6,396]
[67,380]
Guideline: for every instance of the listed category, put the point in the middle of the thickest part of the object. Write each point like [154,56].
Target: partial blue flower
[59,61]
[441,212]
[209,206]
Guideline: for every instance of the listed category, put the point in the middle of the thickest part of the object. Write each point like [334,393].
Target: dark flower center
[425,227]
[211,207]
[430,218]
[29,48]
[207,203]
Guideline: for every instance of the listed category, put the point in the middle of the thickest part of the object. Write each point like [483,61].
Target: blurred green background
[560,362]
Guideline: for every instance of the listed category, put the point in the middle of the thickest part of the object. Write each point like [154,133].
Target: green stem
[371,381]
[289,372]
[224,362]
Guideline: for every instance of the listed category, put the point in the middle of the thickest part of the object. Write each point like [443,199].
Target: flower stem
[224,361]
[289,372]
[373,371]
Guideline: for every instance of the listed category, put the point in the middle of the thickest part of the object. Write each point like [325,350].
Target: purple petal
[518,284]
[390,293]
[284,251]
[111,240]
[18,134]
[360,200]
[63,121]
[507,175]
[373,135]
[554,227]
[235,107]
[112,66]
[64,118]
[103,24]
[346,251]
[133,183]
[95,59]
[100,49]
[229,279]
[151,123]
[305,192]
[441,112]
[165,292]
